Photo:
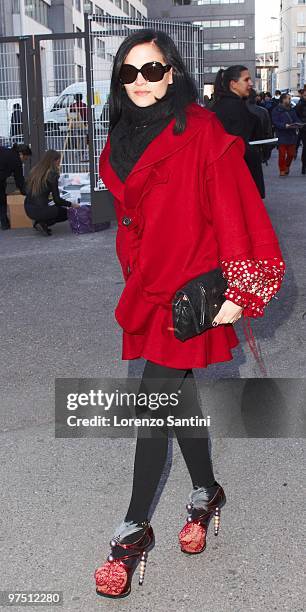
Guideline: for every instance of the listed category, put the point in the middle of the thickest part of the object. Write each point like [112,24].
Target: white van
[56,118]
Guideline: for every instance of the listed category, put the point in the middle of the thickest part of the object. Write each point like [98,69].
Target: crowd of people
[276,116]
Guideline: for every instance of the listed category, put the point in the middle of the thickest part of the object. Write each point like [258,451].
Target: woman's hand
[228,313]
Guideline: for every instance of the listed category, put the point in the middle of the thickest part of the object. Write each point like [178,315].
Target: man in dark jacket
[236,118]
[11,163]
[286,123]
[300,110]
[266,126]
[16,131]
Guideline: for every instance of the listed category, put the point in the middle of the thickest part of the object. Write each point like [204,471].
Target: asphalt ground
[62,499]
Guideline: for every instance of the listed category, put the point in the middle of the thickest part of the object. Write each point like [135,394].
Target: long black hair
[223,79]
[184,87]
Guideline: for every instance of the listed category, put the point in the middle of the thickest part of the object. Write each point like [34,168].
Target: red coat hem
[226,356]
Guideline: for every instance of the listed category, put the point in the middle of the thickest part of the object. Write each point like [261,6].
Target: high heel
[204,504]
[114,577]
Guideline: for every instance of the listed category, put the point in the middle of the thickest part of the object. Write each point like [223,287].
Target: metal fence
[14,123]
[54,90]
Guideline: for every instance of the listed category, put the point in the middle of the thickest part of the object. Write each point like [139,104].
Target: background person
[80,107]
[11,161]
[283,116]
[232,88]
[43,182]
[16,130]
[300,110]
[78,117]
[266,125]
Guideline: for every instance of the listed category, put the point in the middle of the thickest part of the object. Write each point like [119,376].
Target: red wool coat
[188,204]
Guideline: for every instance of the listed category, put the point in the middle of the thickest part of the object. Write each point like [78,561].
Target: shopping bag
[80,220]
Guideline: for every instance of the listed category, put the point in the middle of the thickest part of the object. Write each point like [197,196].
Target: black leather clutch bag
[195,306]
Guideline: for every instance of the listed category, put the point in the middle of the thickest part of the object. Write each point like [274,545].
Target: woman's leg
[282,154]
[194,440]
[151,449]
[291,149]
[55,214]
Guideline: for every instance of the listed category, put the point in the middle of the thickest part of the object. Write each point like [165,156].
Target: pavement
[61,499]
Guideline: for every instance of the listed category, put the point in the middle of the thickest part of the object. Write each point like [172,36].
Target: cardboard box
[16,212]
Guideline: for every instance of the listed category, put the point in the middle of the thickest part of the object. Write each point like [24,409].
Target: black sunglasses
[152,71]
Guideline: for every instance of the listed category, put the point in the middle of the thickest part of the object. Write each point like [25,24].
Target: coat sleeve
[249,252]
[58,201]
[279,119]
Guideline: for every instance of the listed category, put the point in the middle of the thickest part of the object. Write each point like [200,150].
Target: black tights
[152,442]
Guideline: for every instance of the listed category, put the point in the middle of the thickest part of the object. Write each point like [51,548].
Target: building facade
[228,30]
[292,53]
[267,71]
[22,17]
[62,61]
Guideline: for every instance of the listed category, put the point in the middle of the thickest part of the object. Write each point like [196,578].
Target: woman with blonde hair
[43,182]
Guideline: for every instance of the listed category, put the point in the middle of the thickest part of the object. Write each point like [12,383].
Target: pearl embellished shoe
[204,504]
[130,546]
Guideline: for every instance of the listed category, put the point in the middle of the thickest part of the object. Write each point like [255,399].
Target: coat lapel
[167,143]
[164,145]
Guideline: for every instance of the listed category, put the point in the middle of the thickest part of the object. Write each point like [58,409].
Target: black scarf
[136,128]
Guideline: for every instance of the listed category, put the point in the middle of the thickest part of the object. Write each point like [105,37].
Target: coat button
[126,220]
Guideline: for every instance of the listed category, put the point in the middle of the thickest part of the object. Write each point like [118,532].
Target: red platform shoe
[114,577]
[205,504]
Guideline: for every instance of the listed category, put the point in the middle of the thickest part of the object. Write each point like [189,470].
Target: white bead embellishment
[262,281]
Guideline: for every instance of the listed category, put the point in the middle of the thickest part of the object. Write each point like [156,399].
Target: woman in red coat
[186,203]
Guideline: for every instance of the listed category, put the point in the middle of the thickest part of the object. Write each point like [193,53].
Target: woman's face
[143,92]
[243,86]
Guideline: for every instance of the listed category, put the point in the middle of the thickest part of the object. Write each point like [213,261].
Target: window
[79,41]
[16,7]
[126,7]
[301,39]
[87,6]
[100,48]
[201,2]
[300,58]
[133,11]
[98,11]
[37,10]
[139,15]
[301,1]
[118,4]
[77,4]
[220,23]
[213,69]
[226,46]
[63,102]
[301,18]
